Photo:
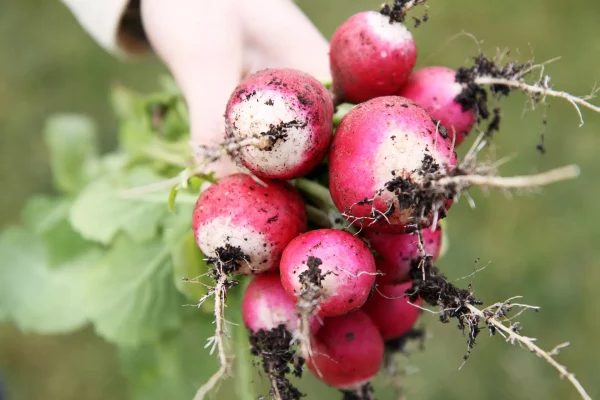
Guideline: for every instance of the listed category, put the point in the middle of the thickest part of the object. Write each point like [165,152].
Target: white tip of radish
[221,231]
[253,119]
[380,25]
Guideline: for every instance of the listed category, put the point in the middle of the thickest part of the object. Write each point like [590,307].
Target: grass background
[542,246]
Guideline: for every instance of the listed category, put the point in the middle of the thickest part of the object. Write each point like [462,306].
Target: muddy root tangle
[274,349]
[433,287]
[397,11]
[475,97]
[308,301]
[227,261]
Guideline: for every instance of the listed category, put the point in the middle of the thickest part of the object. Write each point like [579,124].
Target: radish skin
[346,262]
[435,89]
[266,305]
[284,102]
[391,312]
[239,212]
[377,143]
[347,351]
[398,252]
[370,57]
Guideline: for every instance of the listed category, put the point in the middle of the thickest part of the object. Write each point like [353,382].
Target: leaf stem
[243,380]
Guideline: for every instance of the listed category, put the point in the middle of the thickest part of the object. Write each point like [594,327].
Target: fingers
[201,43]
[284,37]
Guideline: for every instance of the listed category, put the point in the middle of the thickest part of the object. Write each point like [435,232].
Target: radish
[391,312]
[266,305]
[347,351]
[341,263]
[398,252]
[384,156]
[285,118]
[435,89]
[370,57]
[242,219]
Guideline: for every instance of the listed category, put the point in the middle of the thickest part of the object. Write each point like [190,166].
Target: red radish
[382,151]
[399,251]
[345,262]
[266,305]
[287,115]
[435,89]
[393,313]
[347,351]
[241,213]
[370,57]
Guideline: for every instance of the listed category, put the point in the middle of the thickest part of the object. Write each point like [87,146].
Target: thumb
[285,36]
[201,44]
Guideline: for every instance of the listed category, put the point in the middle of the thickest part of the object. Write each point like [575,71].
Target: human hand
[209,45]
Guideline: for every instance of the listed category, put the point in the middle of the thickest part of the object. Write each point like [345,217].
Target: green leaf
[188,260]
[48,218]
[135,129]
[445,238]
[102,210]
[174,367]
[189,268]
[71,140]
[169,85]
[35,297]
[132,298]
[172,196]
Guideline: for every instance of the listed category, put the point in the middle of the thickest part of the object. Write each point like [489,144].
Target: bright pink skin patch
[347,263]
[369,57]
[240,212]
[392,313]
[376,142]
[284,101]
[347,351]
[434,89]
[266,305]
[399,251]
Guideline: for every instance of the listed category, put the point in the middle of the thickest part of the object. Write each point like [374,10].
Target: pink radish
[397,252]
[266,305]
[435,89]
[384,153]
[370,57]
[392,313]
[258,221]
[344,263]
[286,117]
[347,351]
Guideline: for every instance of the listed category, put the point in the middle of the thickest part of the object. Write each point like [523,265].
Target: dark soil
[397,11]
[398,345]
[313,275]
[366,392]
[278,359]
[280,132]
[475,97]
[228,259]
[433,287]
[424,196]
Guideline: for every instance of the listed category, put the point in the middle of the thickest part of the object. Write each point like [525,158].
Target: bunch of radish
[341,289]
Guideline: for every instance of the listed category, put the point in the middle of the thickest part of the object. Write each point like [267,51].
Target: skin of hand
[210,45]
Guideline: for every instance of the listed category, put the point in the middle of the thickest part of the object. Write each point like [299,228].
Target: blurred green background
[543,246]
